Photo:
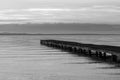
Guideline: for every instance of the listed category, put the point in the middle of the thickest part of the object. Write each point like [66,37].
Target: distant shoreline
[51,34]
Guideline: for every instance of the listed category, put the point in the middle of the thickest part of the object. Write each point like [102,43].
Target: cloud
[93,14]
[107,8]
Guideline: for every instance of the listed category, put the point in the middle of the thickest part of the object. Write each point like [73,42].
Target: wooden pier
[103,52]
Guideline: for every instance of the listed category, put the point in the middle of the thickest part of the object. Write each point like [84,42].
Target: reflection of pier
[104,52]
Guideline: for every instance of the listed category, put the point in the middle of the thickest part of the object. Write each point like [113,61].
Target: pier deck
[105,52]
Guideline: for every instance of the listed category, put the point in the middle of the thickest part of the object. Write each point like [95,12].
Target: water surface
[23,58]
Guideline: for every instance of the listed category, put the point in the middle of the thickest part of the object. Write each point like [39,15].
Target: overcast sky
[41,11]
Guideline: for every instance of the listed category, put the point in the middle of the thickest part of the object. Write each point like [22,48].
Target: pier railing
[103,52]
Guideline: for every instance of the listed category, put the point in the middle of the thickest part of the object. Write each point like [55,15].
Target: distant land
[58,28]
[53,34]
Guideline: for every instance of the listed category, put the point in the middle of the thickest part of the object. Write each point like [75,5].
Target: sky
[59,11]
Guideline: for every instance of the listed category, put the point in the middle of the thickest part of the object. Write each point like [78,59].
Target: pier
[103,52]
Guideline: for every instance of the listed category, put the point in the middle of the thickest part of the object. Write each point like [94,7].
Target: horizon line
[58,23]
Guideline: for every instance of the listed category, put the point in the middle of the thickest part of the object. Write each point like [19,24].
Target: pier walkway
[104,52]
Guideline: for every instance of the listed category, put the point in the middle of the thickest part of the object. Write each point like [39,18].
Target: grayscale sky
[66,11]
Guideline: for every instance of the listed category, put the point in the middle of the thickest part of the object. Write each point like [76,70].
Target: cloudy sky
[67,11]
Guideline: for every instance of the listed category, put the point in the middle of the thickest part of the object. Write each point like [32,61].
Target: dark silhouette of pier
[103,52]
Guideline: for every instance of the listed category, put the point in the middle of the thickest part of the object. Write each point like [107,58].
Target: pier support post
[100,54]
[104,56]
[84,52]
[89,52]
[114,58]
[96,54]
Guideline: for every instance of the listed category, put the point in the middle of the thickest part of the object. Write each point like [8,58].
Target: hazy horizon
[61,28]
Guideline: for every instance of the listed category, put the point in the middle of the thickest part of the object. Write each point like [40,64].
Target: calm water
[23,58]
